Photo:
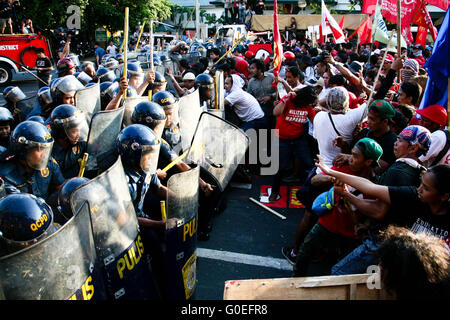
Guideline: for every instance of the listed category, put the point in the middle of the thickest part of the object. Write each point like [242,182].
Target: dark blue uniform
[68,158]
[166,154]
[38,182]
[172,135]
[139,184]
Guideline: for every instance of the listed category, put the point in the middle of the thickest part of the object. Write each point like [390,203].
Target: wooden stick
[267,208]
[125,49]
[399,35]
[139,38]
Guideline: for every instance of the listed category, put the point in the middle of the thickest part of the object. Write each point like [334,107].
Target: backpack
[444,150]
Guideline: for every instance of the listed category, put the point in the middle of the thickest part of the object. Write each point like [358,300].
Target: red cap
[435,113]
[249,54]
[289,56]
[389,58]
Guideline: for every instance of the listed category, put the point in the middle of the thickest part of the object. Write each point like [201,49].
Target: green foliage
[96,13]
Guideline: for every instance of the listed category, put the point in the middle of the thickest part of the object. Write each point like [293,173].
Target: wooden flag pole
[125,49]
[139,38]
[399,35]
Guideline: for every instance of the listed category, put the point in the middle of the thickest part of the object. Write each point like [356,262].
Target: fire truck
[18,52]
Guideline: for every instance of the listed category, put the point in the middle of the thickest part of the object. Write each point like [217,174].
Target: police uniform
[38,182]
[172,135]
[166,154]
[138,185]
[67,158]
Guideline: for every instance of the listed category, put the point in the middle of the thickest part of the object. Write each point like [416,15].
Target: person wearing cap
[379,116]
[338,225]
[417,53]
[434,118]
[188,83]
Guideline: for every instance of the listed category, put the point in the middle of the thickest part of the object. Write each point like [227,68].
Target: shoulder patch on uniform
[45,172]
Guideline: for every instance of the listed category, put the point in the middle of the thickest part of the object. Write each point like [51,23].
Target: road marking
[269,262]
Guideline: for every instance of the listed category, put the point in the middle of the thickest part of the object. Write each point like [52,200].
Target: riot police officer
[104,74]
[107,92]
[69,129]
[63,90]
[138,147]
[205,83]
[24,220]
[64,207]
[45,106]
[157,82]
[171,131]
[152,115]
[30,168]
[6,123]
[12,95]
[83,77]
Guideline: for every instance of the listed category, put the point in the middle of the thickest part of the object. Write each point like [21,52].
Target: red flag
[277,46]
[341,23]
[408,11]
[421,36]
[423,19]
[365,31]
[335,29]
[369,6]
[442,4]
[321,36]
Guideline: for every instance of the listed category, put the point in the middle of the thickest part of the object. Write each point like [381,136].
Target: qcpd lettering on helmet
[246,309]
[39,223]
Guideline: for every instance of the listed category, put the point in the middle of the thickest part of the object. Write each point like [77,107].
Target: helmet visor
[38,154]
[76,127]
[149,158]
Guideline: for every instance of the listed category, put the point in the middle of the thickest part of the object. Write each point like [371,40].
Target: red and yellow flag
[277,45]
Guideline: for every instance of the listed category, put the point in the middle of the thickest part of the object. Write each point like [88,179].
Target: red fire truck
[18,51]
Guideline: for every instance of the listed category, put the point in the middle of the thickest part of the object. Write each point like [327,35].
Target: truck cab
[20,50]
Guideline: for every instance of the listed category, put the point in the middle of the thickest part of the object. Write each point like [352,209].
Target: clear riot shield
[62,266]
[25,106]
[88,100]
[181,234]
[101,143]
[220,82]
[117,239]
[219,147]
[189,113]
[129,104]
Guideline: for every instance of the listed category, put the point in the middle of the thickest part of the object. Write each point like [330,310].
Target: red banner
[423,19]
[421,37]
[365,31]
[369,6]
[408,13]
[442,4]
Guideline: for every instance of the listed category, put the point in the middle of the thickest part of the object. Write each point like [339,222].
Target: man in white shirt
[111,49]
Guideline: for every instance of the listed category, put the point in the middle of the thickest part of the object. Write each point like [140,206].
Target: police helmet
[29,135]
[104,74]
[36,118]
[68,122]
[148,113]
[13,94]
[44,96]
[107,92]
[105,57]
[131,92]
[165,99]
[133,70]
[5,115]
[83,77]
[134,143]
[64,85]
[119,57]
[64,194]
[111,63]
[24,220]
[160,80]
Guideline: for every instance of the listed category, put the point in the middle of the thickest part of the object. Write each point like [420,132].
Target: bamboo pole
[125,48]
[139,38]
